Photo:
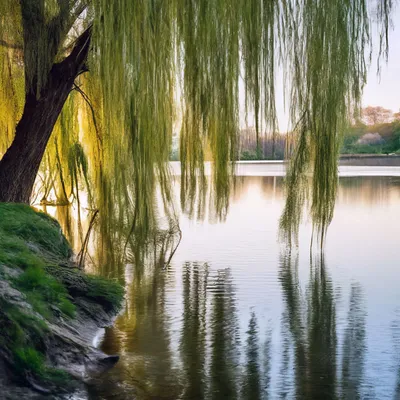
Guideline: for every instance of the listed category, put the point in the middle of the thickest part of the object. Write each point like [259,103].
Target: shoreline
[349,166]
[367,160]
[370,160]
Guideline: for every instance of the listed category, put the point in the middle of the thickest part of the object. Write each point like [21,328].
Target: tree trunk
[20,164]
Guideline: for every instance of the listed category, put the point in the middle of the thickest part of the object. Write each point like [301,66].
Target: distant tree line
[376,131]
[270,147]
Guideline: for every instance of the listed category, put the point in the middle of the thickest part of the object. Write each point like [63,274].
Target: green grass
[29,240]
[28,359]
[26,229]
[28,328]
[23,337]
[20,328]
[104,291]
[14,252]
[33,245]
[43,291]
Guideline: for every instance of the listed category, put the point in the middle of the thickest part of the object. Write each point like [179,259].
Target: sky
[385,91]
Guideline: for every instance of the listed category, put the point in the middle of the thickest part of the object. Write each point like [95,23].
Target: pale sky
[385,91]
[380,91]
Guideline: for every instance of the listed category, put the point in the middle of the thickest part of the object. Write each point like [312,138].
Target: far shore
[361,160]
[349,165]
[373,160]
[367,160]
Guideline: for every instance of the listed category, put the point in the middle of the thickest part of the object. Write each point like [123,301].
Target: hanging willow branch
[146,57]
[84,249]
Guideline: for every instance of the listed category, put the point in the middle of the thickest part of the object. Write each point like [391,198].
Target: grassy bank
[38,287]
[378,138]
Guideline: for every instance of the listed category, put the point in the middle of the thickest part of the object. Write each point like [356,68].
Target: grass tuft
[29,238]
[106,292]
[44,291]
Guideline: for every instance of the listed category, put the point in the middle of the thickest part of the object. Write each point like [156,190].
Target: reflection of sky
[362,247]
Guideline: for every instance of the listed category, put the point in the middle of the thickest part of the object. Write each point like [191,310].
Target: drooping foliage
[157,67]
[329,74]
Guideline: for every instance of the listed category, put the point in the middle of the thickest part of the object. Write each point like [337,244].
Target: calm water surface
[238,316]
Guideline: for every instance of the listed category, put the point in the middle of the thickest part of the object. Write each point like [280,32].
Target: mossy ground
[32,243]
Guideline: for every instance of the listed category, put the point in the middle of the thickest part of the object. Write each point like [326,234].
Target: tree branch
[79,9]
[87,100]
[75,11]
[75,62]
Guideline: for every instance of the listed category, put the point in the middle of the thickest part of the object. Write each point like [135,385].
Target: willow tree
[115,71]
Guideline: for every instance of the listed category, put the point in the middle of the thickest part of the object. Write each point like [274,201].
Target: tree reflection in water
[311,324]
[251,387]
[396,340]
[193,336]
[214,360]
[354,347]
[309,367]
[141,335]
[224,338]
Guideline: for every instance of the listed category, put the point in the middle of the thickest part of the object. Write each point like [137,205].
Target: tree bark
[20,164]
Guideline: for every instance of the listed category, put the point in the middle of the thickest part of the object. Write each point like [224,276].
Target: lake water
[238,316]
